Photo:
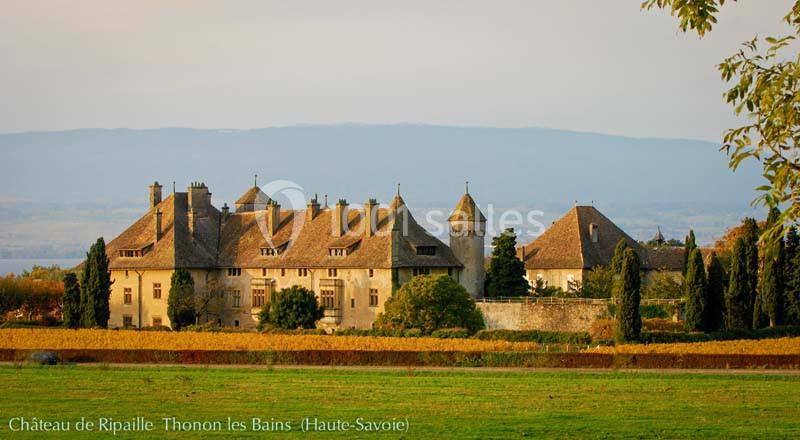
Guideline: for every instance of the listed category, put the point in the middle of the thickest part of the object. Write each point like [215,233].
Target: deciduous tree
[294,307]
[764,88]
[431,303]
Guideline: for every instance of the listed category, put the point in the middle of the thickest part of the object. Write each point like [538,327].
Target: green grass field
[437,404]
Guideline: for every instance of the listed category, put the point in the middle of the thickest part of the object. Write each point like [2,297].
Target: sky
[603,67]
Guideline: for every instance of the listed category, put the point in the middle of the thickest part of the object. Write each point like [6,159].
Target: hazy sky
[601,66]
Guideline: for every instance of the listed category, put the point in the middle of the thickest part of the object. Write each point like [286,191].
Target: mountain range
[59,189]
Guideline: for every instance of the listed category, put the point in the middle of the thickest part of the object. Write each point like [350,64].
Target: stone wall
[561,317]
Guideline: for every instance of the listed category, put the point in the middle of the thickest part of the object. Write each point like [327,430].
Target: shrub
[602,329]
[451,333]
[293,307]
[538,336]
[430,303]
[180,303]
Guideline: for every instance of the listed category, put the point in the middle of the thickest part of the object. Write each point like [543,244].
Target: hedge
[541,337]
[411,359]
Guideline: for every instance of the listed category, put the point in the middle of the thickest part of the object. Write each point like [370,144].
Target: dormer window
[273,251]
[426,250]
[130,253]
[337,252]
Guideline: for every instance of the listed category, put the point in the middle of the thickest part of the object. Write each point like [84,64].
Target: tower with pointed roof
[467,241]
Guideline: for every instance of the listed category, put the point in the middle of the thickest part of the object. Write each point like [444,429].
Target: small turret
[467,240]
[659,238]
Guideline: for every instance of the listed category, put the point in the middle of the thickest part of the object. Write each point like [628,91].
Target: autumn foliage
[31,298]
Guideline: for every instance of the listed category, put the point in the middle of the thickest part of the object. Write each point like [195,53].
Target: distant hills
[639,183]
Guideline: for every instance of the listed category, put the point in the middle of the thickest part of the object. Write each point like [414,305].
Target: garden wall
[554,317]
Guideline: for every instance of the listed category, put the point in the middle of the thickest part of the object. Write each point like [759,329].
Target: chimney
[273,217]
[192,221]
[155,194]
[340,218]
[199,198]
[312,209]
[226,212]
[371,213]
[594,233]
[158,225]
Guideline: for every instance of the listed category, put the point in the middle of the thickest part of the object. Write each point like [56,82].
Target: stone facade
[352,259]
[555,317]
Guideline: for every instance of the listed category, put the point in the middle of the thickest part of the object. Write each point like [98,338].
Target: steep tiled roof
[236,241]
[568,244]
[178,247]
[253,195]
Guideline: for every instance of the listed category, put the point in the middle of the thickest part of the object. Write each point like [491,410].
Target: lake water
[18,265]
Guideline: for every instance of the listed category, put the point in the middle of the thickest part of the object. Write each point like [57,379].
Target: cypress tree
[619,256]
[71,308]
[506,272]
[772,284]
[715,295]
[738,309]
[690,245]
[180,304]
[695,291]
[750,237]
[95,287]
[792,278]
[629,321]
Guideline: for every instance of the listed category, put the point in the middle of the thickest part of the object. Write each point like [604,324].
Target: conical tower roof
[659,238]
[467,210]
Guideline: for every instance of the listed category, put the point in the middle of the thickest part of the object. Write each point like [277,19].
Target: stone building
[352,259]
[583,239]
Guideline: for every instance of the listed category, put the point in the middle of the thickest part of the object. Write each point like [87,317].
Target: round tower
[467,239]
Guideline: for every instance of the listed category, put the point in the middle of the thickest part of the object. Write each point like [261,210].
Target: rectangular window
[352,303]
[236,298]
[328,298]
[302,272]
[283,272]
[426,250]
[234,271]
[421,271]
[127,321]
[156,290]
[449,271]
[127,295]
[373,297]
[333,273]
[371,273]
[263,272]
[337,252]
[156,321]
[259,297]
[236,323]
